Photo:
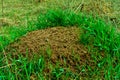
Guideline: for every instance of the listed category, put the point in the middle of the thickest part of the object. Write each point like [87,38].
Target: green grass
[102,40]
[100,37]
[22,68]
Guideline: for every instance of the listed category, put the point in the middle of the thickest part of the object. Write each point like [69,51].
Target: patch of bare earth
[60,42]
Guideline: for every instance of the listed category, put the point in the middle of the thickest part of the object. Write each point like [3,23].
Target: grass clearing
[101,39]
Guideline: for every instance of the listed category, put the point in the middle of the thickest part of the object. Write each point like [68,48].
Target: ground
[58,42]
[58,47]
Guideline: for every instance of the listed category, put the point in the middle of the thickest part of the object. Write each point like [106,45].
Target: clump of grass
[50,19]
[98,34]
[22,67]
[58,18]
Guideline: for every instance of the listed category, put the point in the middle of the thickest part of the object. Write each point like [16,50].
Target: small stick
[2,7]
[2,10]
[6,66]
[80,5]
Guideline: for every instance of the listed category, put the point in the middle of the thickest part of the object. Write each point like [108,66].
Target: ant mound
[57,43]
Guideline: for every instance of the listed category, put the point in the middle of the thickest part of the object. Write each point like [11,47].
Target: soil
[58,42]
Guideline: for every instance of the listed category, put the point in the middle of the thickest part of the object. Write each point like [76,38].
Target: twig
[80,6]
[2,10]
[8,65]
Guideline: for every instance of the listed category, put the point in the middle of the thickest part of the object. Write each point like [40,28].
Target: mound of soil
[59,39]
[60,42]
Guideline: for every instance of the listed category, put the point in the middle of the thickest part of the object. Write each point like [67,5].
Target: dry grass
[19,11]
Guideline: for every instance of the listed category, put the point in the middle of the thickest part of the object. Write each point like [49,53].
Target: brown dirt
[60,39]
[58,45]
[60,42]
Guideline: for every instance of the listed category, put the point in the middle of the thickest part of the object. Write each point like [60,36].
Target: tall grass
[21,68]
[101,35]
